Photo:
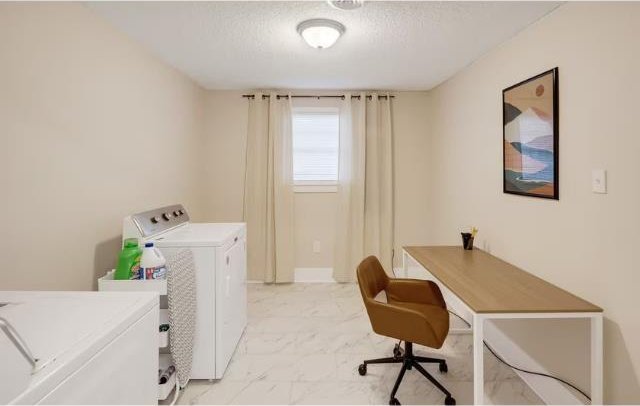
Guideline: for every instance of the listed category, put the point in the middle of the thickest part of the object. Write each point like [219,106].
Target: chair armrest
[400,323]
[416,291]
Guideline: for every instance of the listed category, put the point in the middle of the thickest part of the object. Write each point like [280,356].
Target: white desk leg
[478,361]
[405,264]
[596,360]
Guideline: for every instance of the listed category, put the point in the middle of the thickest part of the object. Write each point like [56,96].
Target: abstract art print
[530,136]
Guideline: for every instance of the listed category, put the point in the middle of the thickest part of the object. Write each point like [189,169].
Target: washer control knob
[167,216]
[176,213]
[155,219]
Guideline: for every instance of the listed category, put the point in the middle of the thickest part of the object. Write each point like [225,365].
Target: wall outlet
[316,247]
[599,181]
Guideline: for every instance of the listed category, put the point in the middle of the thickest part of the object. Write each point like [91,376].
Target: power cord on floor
[177,393]
[492,351]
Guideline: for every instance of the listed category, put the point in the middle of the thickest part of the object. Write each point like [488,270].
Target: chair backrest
[371,277]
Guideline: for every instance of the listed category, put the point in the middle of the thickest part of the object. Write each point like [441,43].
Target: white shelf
[165,389]
[163,336]
[107,283]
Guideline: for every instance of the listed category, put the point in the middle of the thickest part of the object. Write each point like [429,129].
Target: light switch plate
[316,247]
[599,181]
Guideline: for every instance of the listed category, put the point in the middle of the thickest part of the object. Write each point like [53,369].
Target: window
[315,146]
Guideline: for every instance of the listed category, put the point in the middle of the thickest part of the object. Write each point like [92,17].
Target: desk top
[490,285]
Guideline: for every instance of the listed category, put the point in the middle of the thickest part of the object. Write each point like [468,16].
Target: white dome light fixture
[320,33]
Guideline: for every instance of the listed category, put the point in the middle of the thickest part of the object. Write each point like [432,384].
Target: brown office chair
[414,312]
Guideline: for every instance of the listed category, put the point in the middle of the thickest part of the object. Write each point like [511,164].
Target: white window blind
[315,146]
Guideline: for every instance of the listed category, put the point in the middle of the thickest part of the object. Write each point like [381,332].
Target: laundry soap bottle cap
[130,242]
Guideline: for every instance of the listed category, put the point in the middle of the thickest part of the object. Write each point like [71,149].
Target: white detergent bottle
[152,263]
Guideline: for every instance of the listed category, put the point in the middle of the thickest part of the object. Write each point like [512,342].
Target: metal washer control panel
[159,220]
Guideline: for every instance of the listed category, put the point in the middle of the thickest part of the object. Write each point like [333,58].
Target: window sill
[315,188]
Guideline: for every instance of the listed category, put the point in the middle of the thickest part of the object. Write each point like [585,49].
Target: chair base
[410,361]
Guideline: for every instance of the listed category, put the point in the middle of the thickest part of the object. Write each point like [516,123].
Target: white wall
[226,118]
[93,128]
[584,242]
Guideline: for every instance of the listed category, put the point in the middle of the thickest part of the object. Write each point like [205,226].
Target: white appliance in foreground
[91,348]
[219,251]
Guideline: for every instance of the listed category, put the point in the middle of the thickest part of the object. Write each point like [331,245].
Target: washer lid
[63,331]
[200,235]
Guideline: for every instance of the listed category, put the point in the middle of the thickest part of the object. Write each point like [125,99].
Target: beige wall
[584,242]
[226,123]
[315,220]
[93,128]
[412,159]
[224,154]
[82,109]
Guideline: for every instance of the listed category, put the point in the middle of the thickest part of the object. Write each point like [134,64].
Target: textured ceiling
[387,45]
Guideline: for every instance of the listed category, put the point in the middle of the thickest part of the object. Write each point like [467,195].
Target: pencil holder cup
[467,241]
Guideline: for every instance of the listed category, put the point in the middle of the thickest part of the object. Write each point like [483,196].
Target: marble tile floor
[304,342]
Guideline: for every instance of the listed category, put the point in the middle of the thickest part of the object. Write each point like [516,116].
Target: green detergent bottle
[129,261]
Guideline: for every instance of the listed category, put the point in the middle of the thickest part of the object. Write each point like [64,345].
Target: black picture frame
[508,185]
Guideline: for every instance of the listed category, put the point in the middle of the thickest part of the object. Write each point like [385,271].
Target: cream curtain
[365,185]
[268,198]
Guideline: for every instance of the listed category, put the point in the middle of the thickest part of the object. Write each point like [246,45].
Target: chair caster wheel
[394,401]
[443,368]
[449,401]
[362,369]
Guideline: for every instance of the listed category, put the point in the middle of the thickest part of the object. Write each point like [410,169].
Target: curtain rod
[341,96]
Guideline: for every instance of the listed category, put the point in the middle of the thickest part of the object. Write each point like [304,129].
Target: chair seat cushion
[437,316]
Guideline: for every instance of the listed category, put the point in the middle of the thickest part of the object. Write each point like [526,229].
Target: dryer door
[231,304]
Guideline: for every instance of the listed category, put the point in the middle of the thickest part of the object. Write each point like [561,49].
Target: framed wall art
[530,136]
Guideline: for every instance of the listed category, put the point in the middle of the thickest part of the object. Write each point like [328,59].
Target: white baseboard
[314,275]
[549,390]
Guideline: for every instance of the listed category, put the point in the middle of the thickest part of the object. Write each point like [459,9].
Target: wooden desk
[484,287]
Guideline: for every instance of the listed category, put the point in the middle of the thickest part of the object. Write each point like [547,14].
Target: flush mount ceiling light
[320,33]
[345,4]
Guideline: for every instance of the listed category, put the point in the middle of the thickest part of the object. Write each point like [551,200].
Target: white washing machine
[219,251]
[78,348]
